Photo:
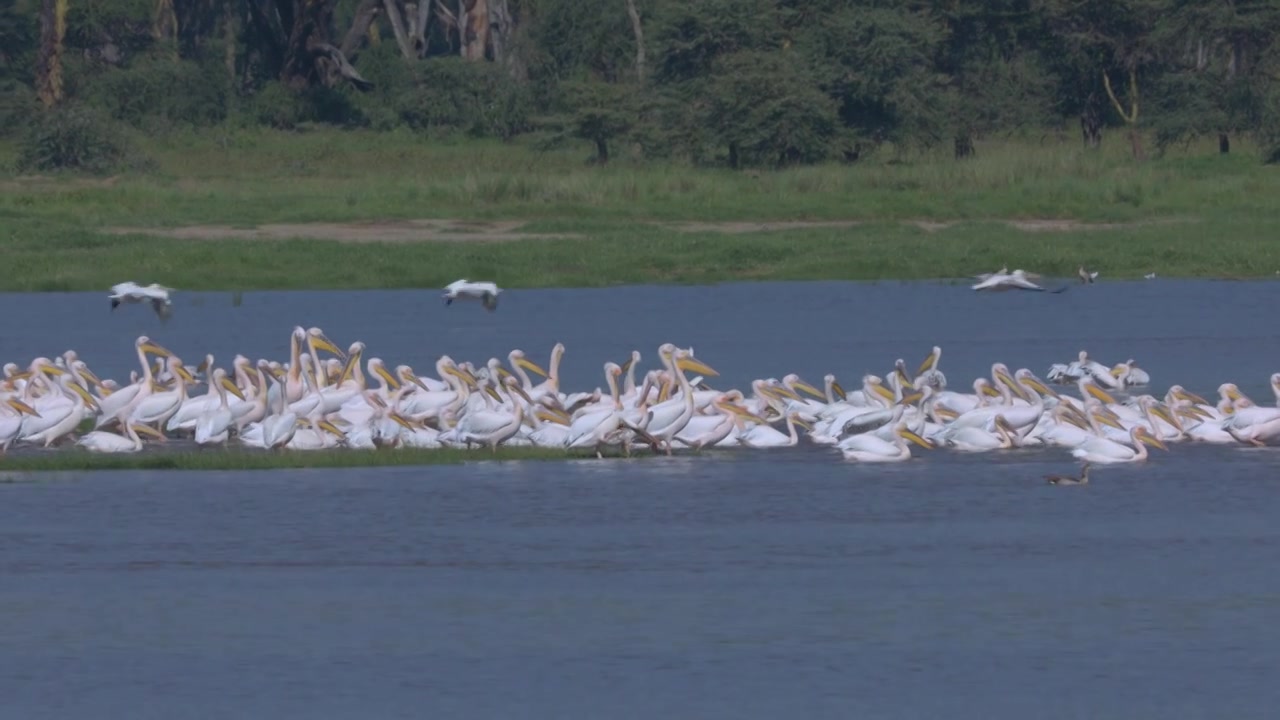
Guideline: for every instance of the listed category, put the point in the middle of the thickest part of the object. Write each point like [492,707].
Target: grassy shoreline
[243,459]
[1190,214]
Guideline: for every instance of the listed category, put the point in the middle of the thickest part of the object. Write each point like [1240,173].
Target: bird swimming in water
[485,292]
[1069,480]
[131,292]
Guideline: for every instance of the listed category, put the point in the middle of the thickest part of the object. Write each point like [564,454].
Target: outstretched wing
[163,308]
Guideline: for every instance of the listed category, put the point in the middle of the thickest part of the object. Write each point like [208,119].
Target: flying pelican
[132,292]
[485,292]
[1016,280]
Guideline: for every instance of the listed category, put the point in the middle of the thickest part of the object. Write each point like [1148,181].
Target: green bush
[475,98]
[182,92]
[17,106]
[277,106]
[76,138]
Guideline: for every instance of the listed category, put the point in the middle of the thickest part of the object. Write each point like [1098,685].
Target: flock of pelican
[323,397]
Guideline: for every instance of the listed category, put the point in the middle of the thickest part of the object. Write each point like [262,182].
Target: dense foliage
[735,82]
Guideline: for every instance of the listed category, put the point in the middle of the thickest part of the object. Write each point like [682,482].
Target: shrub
[476,98]
[184,92]
[75,138]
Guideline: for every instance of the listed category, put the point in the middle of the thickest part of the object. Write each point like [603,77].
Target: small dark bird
[1068,480]
[1085,276]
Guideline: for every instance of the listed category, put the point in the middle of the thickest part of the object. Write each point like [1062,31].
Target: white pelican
[131,292]
[112,405]
[766,436]
[213,426]
[519,364]
[11,421]
[1017,280]
[665,420]
[158,407]
[870,448]
[489,427]
[486,292]
[108,442]
[975,439]
[1105,451]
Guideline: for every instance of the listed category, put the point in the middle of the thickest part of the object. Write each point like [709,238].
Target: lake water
[735,584]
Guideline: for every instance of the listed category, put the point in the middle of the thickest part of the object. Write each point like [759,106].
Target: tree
[996,80]
[601,112]
[1216,68]
[764,108]
[53,28]
[1096,40]
[878,64]
[294,35]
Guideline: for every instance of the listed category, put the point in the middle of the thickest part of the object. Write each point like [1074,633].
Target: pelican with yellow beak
[1106,451]
[101,441]
[869,448]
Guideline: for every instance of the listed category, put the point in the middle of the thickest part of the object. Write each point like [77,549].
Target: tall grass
[51,229]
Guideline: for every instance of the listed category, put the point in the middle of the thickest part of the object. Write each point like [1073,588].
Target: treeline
[733,82]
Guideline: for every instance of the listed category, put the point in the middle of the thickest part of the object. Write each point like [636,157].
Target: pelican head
[1028,378]
[513,386]
[685,361]
[146,345]
[318,340]
[1141,434]
[353,362]
[930,362]
[1180,393]
[907,433]
[407,374]
[517,359]
[792,380]
[220,377]
[378,367]
[836,389]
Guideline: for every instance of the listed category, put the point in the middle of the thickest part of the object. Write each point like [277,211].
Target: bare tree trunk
[476,28]
[229,38]
[1091,126]
[421,27]
[1224,143]
[463,22]
[366,13]
[53,27]
[1131,116]
[638,30]
[397,26]
[498,31]
[164,26]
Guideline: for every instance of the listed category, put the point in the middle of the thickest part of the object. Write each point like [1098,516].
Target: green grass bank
[245,210]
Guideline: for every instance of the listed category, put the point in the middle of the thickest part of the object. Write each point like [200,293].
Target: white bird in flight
[132,292]
[1017,280]
[485,292]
